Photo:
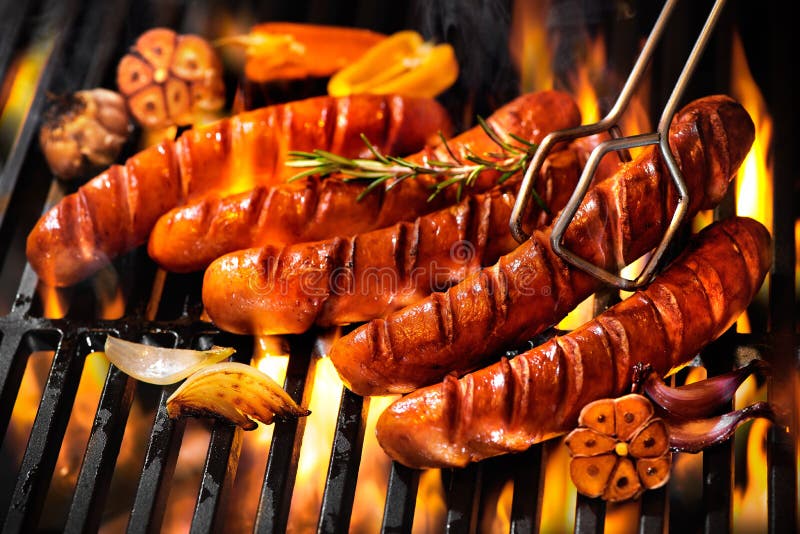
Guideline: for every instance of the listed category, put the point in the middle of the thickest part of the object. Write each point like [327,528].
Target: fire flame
[18,88]
[754,191]
[55,301]
[754,180]
[529,46]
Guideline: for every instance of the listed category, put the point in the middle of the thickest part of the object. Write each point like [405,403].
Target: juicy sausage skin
[191,237]
[358,278]
[515,403]
[115,211]
[531,288]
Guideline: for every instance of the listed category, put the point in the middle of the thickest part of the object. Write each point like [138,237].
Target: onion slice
[159,365]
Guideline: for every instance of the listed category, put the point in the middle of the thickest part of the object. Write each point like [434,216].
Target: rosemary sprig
[462,172]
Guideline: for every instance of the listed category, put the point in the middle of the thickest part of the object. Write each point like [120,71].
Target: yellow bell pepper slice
[402,64]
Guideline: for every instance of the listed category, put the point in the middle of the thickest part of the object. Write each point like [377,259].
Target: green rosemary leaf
[529,146]
[372,165]
[399,179]
[403,162]
[473,175]
[372,148]
[442,164]
[540,202]
[303,163]
[494,136]
[372,186]
[301,155]
[505,176]
[322,170]
[363,174]
[459,191]
[447,183]
[449,150]
[334,158]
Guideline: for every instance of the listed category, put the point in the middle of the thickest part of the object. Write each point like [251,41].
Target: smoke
[478,30]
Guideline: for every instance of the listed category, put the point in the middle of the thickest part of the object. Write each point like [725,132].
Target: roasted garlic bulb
[620,449]
[170,79]
[622,446]
[83,131]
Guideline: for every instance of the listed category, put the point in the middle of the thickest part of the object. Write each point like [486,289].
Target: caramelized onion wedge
[701,398]
[159,365]
[696,434]
[234,391]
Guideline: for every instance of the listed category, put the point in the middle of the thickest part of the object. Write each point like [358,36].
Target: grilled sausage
[531,288]
[190,238]
[515,403]
[115,211]
[288,289]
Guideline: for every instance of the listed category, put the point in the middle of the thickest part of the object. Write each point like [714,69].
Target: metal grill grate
[88,37]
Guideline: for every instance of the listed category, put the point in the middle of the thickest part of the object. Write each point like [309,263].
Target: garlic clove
[694,435]
[234,391]
[630,413]
[702,398]
[591,474]
[599,415]
[624,482]
[589,442]
[651,441]
[159,365]
[654,472]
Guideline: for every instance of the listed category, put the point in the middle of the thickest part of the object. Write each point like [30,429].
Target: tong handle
[609,122]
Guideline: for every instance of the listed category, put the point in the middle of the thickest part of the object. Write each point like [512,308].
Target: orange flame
[109,294]
[529,47]
[55,301]
[754,191]
[750,503]
[754,180]
[430,508]
[20,87]
[558,501]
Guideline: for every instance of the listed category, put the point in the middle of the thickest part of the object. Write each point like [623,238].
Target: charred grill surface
[88,37]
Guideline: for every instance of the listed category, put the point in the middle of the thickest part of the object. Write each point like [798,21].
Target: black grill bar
[590,515]
[276,493]
[88,37]
[159,465]
[340,484]
[526,505]
[46,436]
[718,460]
[97,469]
[781,445]
[218,476]
[651,518]
[462,494]
[401,498]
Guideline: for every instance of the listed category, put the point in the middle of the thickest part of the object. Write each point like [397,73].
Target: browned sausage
[290,288]
[515,403]
[190,238]
[115,211]
[531,288]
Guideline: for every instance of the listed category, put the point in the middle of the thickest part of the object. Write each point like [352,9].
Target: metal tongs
[610,123]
